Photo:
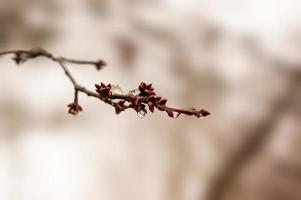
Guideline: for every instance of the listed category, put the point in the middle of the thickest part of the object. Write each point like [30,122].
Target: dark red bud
[151,106]
[151,98]
[162,101]
[148,86]
[100,64]
[160,108]
[170,113]
[158,98]
[204,113]
[132,98]
[142,84]
[97,86]
[141,89]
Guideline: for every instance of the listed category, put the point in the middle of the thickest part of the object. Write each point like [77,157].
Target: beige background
[234,58]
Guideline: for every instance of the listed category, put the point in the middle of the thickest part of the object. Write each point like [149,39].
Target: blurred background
[239,59]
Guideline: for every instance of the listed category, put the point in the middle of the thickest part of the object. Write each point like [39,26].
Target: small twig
[145,94]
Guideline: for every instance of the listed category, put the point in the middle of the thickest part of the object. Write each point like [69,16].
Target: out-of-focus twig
[252,144]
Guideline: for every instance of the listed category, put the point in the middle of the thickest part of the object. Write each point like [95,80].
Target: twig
[144,96]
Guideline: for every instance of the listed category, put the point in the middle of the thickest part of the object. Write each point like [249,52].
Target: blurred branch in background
[26,22]
[256,138]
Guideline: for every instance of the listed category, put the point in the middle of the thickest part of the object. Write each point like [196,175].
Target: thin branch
[68,74]
[144,96]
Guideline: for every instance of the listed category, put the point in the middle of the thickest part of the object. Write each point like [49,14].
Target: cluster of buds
[104,90]
[146,98]
[100,64]
[20,57]
[120,106]
[74,108]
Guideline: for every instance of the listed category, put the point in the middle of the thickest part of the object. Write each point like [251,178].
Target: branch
[256,140]
[140,99]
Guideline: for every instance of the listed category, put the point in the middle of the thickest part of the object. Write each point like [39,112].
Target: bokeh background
[239,59]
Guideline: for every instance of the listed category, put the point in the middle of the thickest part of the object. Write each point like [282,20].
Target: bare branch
[145,94]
